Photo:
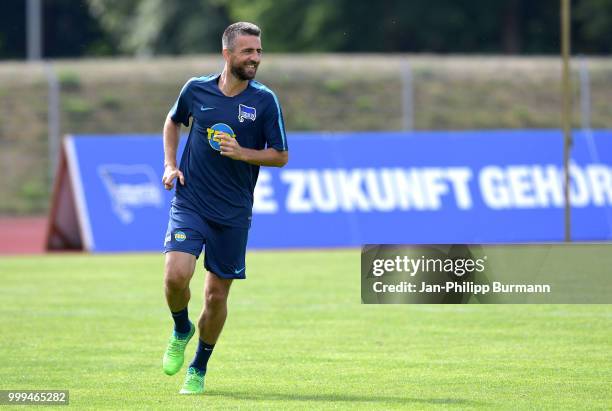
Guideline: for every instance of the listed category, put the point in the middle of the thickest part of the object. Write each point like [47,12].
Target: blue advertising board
[353,188]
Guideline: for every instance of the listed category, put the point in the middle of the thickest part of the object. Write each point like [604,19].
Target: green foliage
[151,27]
[69,80]
[595,21]
[163,27]
[32,194]
[441,26]
[333,86]
[294,25]
[76,106]
[364,103]
[303,123]
[111,101]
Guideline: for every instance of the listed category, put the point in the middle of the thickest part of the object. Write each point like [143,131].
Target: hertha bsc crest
[246,112]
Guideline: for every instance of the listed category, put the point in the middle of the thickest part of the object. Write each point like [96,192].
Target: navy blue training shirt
[217,187]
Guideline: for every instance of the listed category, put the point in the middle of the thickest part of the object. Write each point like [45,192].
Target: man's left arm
[270,157]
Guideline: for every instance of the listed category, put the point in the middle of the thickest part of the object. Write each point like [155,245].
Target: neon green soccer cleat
[175,352]
[194,382]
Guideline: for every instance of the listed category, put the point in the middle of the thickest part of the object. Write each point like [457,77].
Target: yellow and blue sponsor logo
[180,236]
[215,132]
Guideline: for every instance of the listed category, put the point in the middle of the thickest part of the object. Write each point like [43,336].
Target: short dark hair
[236,29]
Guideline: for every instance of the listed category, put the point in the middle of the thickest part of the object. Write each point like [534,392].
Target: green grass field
[297,337]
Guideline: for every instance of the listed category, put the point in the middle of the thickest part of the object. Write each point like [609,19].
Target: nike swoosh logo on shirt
[239,271]
[206,108]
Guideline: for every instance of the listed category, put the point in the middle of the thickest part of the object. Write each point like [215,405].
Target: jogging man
[237,127]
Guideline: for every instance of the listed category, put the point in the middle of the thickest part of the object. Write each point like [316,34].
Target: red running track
[22,235]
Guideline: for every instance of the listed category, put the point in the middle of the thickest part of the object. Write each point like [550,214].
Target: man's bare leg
[179,269]
[214,313]
[212,319]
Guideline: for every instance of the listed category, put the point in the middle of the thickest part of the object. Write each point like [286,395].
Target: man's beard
[241,73]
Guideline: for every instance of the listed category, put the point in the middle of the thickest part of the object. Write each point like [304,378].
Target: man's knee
[216,297]
[176,280]
[178,273]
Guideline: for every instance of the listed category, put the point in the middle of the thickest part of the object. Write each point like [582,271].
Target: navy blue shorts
[225,246]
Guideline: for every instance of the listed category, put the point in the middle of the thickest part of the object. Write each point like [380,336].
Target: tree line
[77,28]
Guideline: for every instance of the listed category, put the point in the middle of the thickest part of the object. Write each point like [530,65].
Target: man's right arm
[171,139]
